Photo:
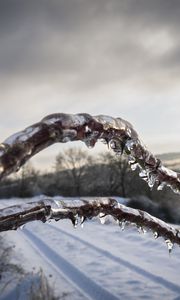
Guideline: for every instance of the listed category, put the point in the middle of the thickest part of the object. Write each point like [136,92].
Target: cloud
[118,57]
[84,44]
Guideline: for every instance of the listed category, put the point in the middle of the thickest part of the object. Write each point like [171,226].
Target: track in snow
[81,281]
[157,279]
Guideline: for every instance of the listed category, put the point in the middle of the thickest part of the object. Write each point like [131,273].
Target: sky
[118,58]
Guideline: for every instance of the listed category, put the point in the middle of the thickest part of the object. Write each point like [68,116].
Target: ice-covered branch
[13,217]
[116,132]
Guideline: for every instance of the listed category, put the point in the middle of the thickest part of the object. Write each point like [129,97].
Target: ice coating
[119,134]
[80,210]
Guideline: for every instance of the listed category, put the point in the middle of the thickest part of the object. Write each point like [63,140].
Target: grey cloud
[86,43]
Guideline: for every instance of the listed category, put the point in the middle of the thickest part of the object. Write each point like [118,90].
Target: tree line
[79,174]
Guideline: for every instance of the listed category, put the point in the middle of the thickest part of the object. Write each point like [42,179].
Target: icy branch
[116,132]
[80,210]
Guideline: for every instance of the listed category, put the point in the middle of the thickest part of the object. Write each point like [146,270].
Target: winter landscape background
[118,58]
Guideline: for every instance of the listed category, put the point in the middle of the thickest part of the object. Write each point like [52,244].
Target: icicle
[116,146]
[156,235]
[151,180]
[104,141]
[131,159]
[134,166]
[17,168]
[102,218]
[82,220]
[122,224]
[22,226]
[141,229]
[175,189]
[112,144]
[143,174]
[87,129]
[169,245]
[29,152]
[161,186]
[75,221]
[90,143]
[130,144]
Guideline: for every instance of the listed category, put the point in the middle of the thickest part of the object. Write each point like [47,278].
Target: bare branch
[116,132]
[15,216]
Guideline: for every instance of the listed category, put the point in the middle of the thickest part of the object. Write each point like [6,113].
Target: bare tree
[116,175]
[74,161]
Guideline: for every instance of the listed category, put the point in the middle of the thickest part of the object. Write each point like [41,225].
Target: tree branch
[13,217]
[116,132]
[120,136]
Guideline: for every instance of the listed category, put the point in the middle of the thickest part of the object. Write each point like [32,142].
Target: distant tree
[115,174]
[73,162]
[28,181]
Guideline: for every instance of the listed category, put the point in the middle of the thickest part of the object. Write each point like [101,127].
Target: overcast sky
[118,57]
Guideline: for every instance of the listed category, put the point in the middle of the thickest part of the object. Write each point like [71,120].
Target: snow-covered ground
[97,261]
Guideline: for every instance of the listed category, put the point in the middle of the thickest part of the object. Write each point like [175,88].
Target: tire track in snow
[155,278]
[81,281]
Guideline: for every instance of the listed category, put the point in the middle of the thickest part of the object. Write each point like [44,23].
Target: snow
[97,261]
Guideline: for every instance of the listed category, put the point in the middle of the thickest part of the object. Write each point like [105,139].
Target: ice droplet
[87,129]
[169,245]
[156,235]
[130,144]
[82,220]
[142,230]
[29,151]
[151,180]
[102,218]
[75,221]
[122,224]
[131,159]
[144,175]
[17,168]
[22,226]
[161,186]
[103,141]
[134,166]
[115,145]
[90,143]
